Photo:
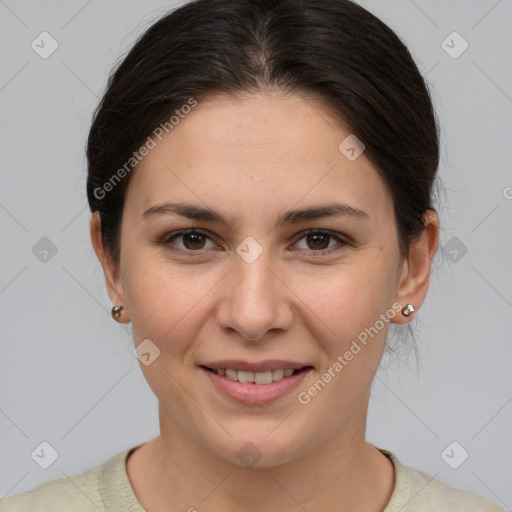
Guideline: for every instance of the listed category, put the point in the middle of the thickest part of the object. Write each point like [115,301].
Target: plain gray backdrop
[68,376]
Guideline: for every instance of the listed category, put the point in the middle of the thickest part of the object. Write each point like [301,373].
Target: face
[290,261]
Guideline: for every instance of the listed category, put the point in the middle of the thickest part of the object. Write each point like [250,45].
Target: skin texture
[252,159]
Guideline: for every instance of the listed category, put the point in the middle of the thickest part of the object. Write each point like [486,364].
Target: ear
[110,267]
[414,275]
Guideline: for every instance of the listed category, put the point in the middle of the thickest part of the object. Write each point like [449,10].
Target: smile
[255,387]
[247,377]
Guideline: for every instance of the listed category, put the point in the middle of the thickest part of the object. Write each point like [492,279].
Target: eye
[192,241]
[319,241]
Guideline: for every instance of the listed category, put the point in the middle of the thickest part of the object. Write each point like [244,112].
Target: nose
[254,300]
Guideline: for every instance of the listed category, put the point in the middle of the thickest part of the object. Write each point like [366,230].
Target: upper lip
[260,366]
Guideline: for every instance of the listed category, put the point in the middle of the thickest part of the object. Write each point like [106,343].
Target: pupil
[316,238]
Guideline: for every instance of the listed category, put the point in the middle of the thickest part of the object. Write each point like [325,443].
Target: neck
[341,473]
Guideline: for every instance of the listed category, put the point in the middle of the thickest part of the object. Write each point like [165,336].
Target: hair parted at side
[333,50]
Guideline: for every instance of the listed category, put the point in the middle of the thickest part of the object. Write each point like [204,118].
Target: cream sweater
[106,488]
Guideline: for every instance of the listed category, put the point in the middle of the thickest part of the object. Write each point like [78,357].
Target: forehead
[257,153]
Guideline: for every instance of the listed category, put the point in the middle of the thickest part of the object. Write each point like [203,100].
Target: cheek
[167,304]
[350,314]
[165,299]
[345,300]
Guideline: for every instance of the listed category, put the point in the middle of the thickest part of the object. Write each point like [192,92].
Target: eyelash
[168,241]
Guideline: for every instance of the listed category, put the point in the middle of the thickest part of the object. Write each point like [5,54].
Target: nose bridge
[254,300]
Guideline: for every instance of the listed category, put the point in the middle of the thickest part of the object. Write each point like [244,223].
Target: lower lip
[256,394]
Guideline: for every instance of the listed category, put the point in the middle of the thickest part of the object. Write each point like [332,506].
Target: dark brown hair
[334,50]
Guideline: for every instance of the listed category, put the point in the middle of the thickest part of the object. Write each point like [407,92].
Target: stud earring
[408,310]
[116,312]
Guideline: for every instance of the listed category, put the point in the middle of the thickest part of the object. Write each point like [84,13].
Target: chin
[252,449]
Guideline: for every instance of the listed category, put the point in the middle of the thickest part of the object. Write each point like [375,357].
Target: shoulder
[80,492]
[416,491]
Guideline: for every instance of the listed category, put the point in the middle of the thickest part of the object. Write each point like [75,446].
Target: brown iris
[314,240]
[196,240]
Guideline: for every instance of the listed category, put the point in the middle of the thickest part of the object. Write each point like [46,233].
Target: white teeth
[277,374]
[232,374]
[263,377]
[245,377]
[255,377]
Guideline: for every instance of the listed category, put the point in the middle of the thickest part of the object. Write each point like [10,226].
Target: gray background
[67,371]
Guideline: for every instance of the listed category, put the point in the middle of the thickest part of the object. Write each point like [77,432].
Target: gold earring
[116,312]
[408,310]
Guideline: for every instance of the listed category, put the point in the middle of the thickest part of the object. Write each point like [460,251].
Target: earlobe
[414,278]
[110,267]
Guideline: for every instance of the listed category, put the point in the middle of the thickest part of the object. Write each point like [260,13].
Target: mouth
[255,384]
[263,378]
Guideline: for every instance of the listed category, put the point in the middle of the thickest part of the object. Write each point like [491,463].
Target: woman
[260,178]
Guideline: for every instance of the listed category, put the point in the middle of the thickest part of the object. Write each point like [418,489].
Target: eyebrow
[191,211]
